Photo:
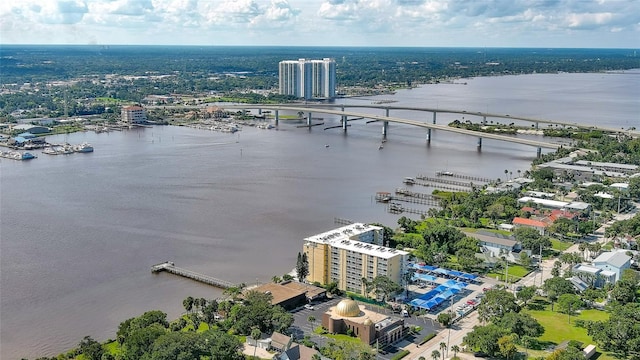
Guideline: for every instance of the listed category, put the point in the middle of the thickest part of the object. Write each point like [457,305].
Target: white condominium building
[350,253]
[309,79]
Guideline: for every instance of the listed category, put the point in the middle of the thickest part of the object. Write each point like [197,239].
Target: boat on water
[85,147]
[409,180]
[16,155]
[58,149]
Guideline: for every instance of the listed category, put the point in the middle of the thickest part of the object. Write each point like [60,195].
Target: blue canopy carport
[441,271]
[424,277]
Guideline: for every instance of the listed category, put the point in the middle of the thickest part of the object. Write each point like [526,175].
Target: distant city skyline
[411,23]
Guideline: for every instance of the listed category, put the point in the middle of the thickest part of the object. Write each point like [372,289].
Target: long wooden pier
[171,268]
[465,177]
[387,197]
[396,208]
[445,181]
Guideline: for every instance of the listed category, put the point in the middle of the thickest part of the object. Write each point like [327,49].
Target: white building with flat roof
[308,79]
[350,253]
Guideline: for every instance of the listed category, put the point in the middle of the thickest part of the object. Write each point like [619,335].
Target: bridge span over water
[483,115]
[385,119]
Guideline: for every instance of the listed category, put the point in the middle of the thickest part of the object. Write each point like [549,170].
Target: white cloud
[326,22]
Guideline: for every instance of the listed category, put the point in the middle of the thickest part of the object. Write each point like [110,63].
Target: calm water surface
[78,233]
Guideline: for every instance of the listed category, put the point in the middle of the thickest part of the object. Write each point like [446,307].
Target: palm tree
[255,335]
[455,349]
[188,303]
[443,346]
[435,355]
[276,279]
[312,320]
[582,247]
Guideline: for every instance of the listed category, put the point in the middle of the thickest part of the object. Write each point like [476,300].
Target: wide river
[80,232]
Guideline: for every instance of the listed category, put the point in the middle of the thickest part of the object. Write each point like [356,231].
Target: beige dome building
[367,325]
[347,308]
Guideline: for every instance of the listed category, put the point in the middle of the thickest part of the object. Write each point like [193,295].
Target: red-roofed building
[519,222]
[133,114]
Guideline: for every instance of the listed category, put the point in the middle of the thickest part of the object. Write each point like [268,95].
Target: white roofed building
[350,253]
[614,262]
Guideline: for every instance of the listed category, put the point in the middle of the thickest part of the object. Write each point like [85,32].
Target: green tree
[485,339]
[455,349]
[443,347]
[176,345]
[255,335]
[624,291]
[531,239]
[385,286]
[209,312]
[188,303]
[91,349]
[620,333]
[435,355]
[555,287]
[495,304]
[140,340]
[569,303]
[312,320]
[507,347]
[520,324]
[526,293]
[222,346]
[445,318]
[302,267]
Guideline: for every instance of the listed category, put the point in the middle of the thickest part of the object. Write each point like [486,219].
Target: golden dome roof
[368,322]
[347,308]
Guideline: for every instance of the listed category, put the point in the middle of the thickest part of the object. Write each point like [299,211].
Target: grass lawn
[559,245]
[493,231]
[557,328]
[321,331]
[515,273]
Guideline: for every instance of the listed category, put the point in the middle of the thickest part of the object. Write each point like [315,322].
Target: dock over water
[170,267]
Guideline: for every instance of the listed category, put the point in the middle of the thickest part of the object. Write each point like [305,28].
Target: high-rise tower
[308,79]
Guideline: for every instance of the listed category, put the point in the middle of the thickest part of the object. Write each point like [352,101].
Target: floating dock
[171,268]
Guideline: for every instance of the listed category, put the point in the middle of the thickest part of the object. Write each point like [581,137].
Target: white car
[308,307]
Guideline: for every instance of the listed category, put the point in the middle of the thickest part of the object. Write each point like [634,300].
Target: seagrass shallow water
[79,233]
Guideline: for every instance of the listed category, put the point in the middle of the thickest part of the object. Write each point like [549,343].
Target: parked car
[308,306]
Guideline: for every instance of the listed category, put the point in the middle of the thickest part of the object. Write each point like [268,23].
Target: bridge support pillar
[479,143]
[539,152]
[309,119]
[385,129]
[434,117]
[344,123]
[277,117]
[428,136]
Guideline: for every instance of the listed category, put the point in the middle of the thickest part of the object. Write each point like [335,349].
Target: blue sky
[469,23]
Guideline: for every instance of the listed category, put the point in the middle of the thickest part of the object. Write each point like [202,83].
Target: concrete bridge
[386,119]
[484,116]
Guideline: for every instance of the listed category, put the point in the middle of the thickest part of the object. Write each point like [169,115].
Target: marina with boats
[66,148]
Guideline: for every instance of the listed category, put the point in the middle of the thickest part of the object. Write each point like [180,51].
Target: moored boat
[83,148]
